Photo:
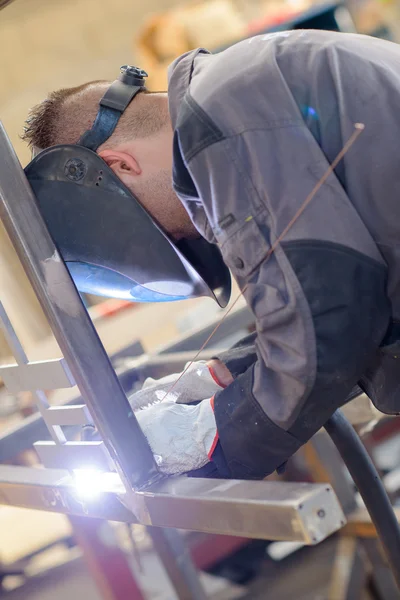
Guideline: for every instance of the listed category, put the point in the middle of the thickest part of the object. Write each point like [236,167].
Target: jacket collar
[179,77]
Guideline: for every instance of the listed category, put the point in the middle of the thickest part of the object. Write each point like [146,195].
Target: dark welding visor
[111,245]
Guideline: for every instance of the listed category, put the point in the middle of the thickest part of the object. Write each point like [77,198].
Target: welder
[153,196]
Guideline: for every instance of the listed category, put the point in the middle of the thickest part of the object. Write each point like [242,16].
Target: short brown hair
[67,113]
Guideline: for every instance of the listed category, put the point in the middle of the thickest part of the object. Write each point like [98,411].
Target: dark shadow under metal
[369,485]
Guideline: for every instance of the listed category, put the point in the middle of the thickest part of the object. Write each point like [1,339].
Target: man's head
[139,151]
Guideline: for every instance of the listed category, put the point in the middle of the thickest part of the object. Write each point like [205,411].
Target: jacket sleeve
[319,300]
[241,356]
[301,377]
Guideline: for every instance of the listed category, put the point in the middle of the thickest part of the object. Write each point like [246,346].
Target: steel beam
[258,509]
[255,509]
[71,324]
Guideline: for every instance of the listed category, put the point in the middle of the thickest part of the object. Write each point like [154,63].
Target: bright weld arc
[359,128]
[90,482]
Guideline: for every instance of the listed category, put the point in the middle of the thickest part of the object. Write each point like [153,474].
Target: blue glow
[91,279]
[309,113]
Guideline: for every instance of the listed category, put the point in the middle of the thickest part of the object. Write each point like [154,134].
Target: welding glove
[182,437]
[179,424]
[200,381]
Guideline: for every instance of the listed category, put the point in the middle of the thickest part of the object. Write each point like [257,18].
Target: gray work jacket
[256,127]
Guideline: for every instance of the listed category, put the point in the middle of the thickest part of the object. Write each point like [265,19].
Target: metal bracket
[43,375]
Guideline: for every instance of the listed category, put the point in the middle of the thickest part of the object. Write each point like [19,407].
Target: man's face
[145,167]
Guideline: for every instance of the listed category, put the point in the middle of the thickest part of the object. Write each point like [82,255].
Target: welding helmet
[109,242]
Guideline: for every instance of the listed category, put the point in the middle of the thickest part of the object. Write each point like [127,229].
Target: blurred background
[49,44]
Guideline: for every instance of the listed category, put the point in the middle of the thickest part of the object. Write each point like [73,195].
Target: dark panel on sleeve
[346,292]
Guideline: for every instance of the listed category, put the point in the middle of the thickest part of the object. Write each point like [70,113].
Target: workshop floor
[303,576]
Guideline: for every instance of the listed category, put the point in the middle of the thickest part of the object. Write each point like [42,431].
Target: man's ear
[123,164]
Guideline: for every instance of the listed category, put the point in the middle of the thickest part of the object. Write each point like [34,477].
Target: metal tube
[177,561]
[369,485]
[270,510]
[71,323]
